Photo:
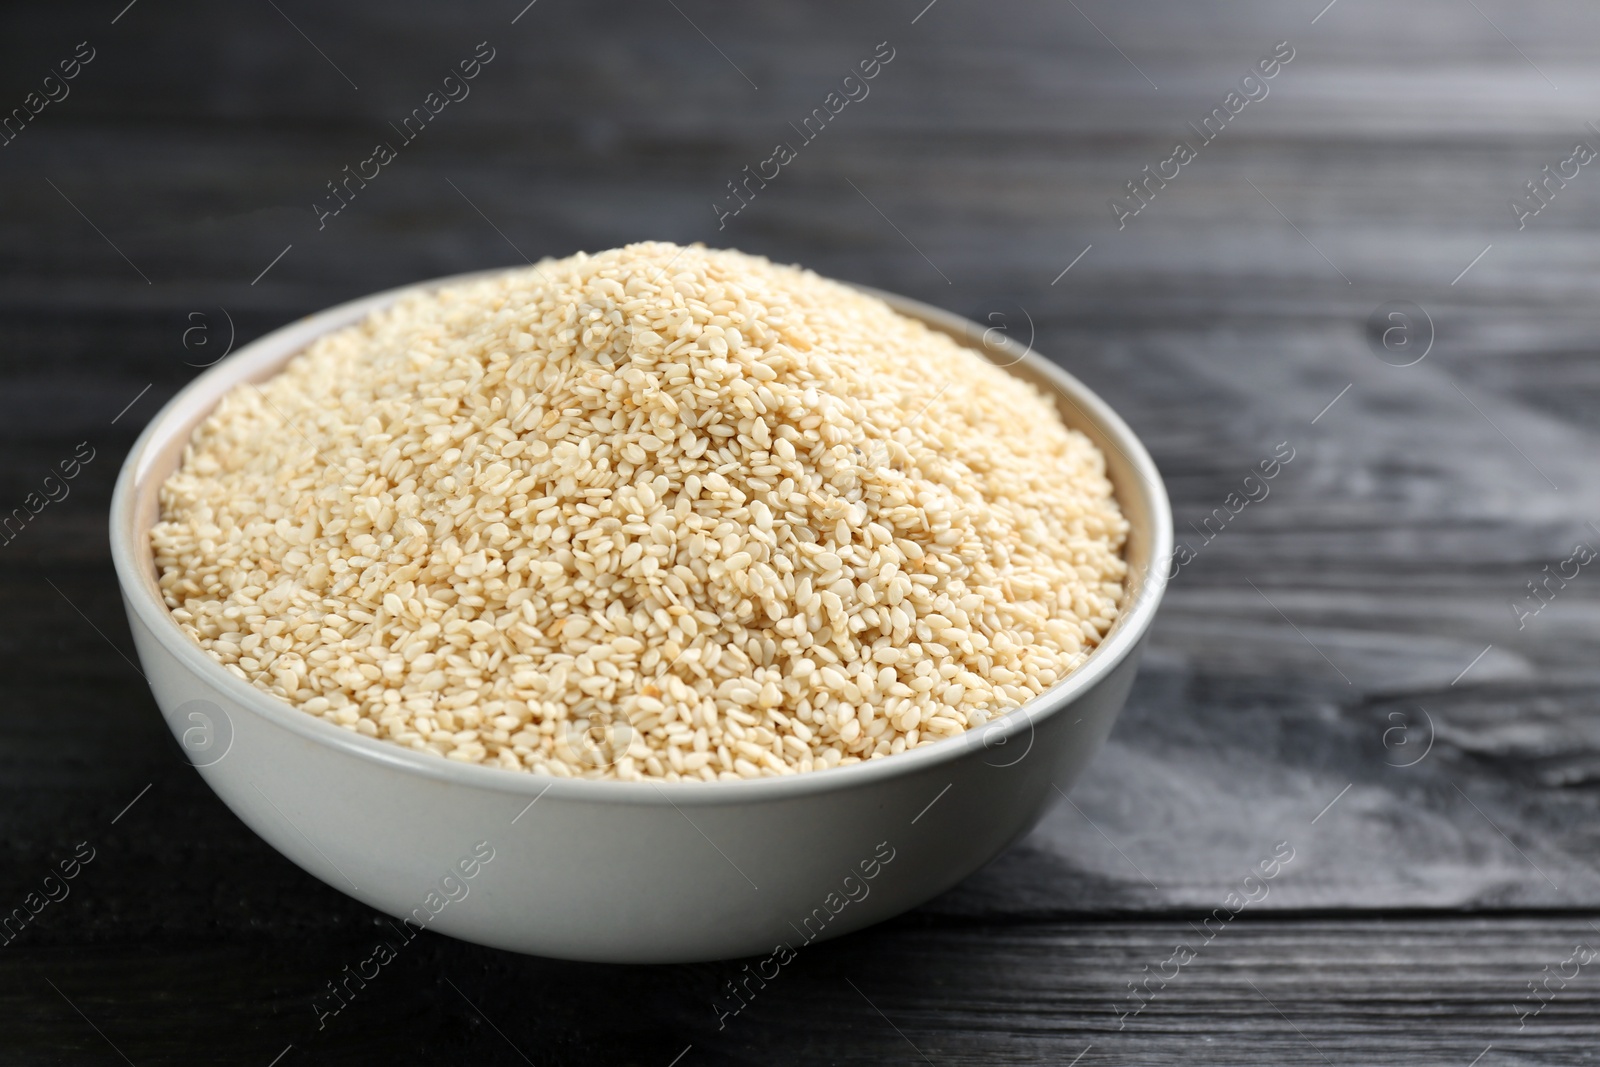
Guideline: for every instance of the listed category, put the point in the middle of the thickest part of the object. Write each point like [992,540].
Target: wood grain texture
[1436,992]
[1357,618]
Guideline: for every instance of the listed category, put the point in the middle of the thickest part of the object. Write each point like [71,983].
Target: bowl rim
[267,354]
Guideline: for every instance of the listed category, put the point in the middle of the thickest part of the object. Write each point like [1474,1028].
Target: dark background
[1358,619]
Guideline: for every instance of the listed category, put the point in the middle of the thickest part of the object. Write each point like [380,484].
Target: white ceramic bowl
[624,871]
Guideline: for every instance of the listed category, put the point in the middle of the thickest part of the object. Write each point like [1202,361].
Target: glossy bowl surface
[626,871]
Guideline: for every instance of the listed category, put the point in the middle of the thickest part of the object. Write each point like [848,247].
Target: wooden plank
[1433,991]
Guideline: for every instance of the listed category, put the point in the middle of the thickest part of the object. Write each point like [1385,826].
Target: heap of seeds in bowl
[658,513]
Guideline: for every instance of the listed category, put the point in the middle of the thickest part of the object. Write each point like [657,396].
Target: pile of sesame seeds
[657,513]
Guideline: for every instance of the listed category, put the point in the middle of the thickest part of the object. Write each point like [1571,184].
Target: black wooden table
[1347,265]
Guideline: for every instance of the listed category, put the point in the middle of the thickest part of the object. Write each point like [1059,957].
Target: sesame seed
[603,519]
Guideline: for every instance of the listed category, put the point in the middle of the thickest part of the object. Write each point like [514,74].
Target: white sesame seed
[607,520]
